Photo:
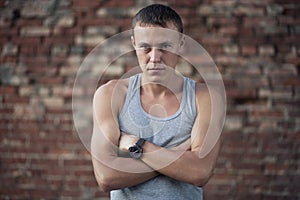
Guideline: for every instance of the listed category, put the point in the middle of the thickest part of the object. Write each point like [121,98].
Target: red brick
[57,40]
[8,32]
[70,193]
[90,183]
[11,99]
[267,113]
[248,50]
[51,80]
[290,20]
[28,50]
[27,41]
[229,30]
[8,90]
[10,59]
[29,22]
[116,3]
[93,22]
[2,3]
[187,3]
[85,4]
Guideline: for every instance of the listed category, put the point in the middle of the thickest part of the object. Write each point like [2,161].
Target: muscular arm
[111,171]
[188,165]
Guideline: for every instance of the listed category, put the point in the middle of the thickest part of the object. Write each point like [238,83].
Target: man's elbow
[201,178]
[105,187]
[104,183]
[104,179]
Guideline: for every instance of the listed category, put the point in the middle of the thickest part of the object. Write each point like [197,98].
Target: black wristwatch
[136,151]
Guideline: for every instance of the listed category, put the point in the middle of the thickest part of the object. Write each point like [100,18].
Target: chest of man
[163,106]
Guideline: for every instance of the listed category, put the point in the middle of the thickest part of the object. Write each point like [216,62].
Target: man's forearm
[180,162]
[112,178]
[181,165]
[114,172]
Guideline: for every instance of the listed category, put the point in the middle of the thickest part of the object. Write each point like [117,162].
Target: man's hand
[127,141]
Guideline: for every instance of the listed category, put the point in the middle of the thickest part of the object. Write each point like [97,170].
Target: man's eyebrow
[159,44]
[167,43]
[143,44]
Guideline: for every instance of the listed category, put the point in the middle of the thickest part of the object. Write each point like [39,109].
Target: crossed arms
[182,163]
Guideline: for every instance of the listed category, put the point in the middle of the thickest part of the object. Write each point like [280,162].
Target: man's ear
[182,41]
[133,41]
[181,44]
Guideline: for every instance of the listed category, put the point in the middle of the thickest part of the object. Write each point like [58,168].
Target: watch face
[135,152]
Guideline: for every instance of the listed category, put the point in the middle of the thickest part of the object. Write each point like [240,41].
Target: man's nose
[155,55]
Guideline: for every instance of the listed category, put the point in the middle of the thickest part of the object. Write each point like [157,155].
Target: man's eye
[145,48]
[165,46]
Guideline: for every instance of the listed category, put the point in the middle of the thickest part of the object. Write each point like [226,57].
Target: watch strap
[140,142]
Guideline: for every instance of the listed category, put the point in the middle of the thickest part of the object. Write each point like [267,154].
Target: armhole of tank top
[194,87]
[185,92]
[128,96]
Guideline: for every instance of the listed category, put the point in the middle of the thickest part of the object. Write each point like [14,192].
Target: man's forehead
[168,25]
[155,33]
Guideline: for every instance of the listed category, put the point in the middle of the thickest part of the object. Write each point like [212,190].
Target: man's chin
[159,77]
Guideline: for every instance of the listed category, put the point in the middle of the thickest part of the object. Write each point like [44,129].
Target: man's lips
[155,69]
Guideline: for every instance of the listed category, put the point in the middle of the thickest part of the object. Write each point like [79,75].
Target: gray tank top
[165,132]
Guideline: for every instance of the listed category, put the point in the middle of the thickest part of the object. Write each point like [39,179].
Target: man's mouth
[155,69]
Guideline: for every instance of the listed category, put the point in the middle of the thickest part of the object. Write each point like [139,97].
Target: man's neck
[170,86]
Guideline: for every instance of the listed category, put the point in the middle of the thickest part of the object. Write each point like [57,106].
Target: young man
[149,128]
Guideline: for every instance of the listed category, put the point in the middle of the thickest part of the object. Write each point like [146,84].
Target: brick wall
[255,44]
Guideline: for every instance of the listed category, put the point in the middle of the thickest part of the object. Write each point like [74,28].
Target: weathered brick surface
[255,45]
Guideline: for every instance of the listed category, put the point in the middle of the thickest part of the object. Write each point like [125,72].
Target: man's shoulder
[119,86]
[201,90]
[113,92]
[206,93]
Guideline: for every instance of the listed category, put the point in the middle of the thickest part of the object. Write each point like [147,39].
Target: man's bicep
[202,121]
[105,115]
[199,132]
[208,124]
[105,128]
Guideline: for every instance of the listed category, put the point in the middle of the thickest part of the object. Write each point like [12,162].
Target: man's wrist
[136,150]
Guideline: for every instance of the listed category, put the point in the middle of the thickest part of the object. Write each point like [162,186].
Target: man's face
[156,49]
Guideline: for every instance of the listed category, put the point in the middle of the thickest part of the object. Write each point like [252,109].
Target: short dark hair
[158,14]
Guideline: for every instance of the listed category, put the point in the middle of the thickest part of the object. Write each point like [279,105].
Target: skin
[161,93]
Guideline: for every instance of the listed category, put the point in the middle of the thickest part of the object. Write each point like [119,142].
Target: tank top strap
[189,93]
[133,87]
